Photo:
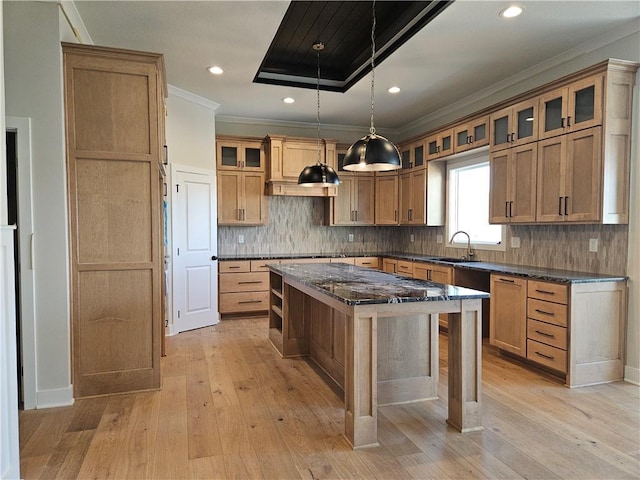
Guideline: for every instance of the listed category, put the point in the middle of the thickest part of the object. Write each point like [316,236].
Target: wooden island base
[382,353]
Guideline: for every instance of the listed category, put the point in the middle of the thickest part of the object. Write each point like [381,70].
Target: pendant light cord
[372,129]
[320,46]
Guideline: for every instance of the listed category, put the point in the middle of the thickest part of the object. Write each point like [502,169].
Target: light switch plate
[351,237]
[240,239]
[593,245]
[439,239]
[412,237]
[515,242]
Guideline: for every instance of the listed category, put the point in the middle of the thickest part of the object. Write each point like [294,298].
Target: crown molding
[75,21]
[192,97]
[602,41]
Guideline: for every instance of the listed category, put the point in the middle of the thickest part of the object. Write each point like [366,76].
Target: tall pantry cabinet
[114,109]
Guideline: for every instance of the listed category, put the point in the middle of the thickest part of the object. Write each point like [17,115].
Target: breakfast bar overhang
[380,333]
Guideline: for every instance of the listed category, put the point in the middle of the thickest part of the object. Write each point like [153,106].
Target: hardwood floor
[231,408]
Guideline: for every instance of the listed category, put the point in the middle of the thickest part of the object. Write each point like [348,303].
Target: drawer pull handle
[249,282]
[234,266]
[551,314]
[548,357]
[546,292]
[250,301]
[545,334]
[366,263]
[507,280]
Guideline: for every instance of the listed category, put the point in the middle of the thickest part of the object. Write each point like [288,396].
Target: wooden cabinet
[114,116]
[570,177]
[512,191]
[288,156]
[386,198]
[368,262]
[404,267]
[390,265]
[241,199]
[355,202]
[433,272]
[414,155]
[236,153]
[243,286]
[440,144]
[514,125]
[571,108]
[422,195]
[508,313]
[472,134]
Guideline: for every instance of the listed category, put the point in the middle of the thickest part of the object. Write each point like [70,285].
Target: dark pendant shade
[318,176]
[372,153]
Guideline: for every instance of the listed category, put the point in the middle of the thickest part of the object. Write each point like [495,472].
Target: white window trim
[468,159]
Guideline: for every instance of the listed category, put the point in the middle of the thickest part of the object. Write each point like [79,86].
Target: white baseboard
[632,375]
[57,397]
[170,330]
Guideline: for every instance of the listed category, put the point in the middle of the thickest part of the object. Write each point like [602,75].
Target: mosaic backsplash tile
[296,225]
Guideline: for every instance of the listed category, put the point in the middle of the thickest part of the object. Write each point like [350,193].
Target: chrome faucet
[470,253]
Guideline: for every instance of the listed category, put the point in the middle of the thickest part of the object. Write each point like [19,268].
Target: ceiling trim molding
[603,40]
[75,21]
[192,97]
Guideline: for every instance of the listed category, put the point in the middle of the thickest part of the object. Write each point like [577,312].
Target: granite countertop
[534,273]
[364,286]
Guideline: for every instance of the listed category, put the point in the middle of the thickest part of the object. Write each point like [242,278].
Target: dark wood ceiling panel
[345,29]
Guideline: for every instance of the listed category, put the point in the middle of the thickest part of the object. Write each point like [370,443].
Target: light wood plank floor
[231,408]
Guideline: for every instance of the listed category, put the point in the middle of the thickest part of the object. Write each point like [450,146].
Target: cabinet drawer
[234,266]
[545,355]
[262,265]
[244,282]
[553,292]
[244,302]
[547,312]
[546,333]
[405,268]
[369,262]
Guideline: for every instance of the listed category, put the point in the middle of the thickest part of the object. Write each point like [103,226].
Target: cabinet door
[583,175]
[553,113]
[499,187]
[418,155]
[446,143]
[585,103]
[522,179]
[421,271]
[405,155]
[418,197]
[254,209]
[508,314]
[501,129]
[405,198]
[297,155]
[364,200]
[341,203]
[550,184]
[524,126]
[229,155]
[229,193]
[389,265]
[441,274]
[386,212]
[253,156]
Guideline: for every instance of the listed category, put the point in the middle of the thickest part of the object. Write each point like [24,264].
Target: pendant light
[372,152]
[320,174]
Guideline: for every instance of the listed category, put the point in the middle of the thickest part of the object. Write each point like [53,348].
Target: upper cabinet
[288,156]
[422,195]
[386,197]
[514,125]
[440,144]
[472,134]
[354,204]
[571,108]
[413,155]
[240,153]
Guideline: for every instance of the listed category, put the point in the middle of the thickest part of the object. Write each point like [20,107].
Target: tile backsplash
[296,225]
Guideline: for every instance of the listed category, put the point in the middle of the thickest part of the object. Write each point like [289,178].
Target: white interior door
[195,249]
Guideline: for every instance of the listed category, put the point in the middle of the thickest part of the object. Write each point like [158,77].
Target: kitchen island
[376,335]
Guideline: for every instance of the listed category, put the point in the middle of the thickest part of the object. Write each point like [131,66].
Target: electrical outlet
[593,245]
[240,239]
[515,242]
[351,237]
[412,237]
[439,239]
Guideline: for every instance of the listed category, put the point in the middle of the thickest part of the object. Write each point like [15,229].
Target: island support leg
[361,403]
[465,367]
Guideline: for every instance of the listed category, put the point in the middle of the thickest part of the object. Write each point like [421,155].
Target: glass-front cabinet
[571,108]
[440,144]
[515,125]
[234,155]
[413,154]
[472,134]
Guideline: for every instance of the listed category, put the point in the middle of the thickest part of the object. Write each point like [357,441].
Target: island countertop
[354,285]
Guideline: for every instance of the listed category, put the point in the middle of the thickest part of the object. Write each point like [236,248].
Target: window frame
[469,159]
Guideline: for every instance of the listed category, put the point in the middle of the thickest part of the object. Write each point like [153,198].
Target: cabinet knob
[214,258]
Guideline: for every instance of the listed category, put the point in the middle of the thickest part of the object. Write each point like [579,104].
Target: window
[468,204]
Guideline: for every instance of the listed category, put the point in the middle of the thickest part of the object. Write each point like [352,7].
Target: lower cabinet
[327,342]
[243,286]
[389,265]
[434,272]
[574,330]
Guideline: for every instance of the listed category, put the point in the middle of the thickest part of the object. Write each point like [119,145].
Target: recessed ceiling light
[215,70]
[511,12]
[394,90]
[288,100]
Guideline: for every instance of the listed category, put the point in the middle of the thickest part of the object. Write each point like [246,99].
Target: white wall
[191,135]
[33,82]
